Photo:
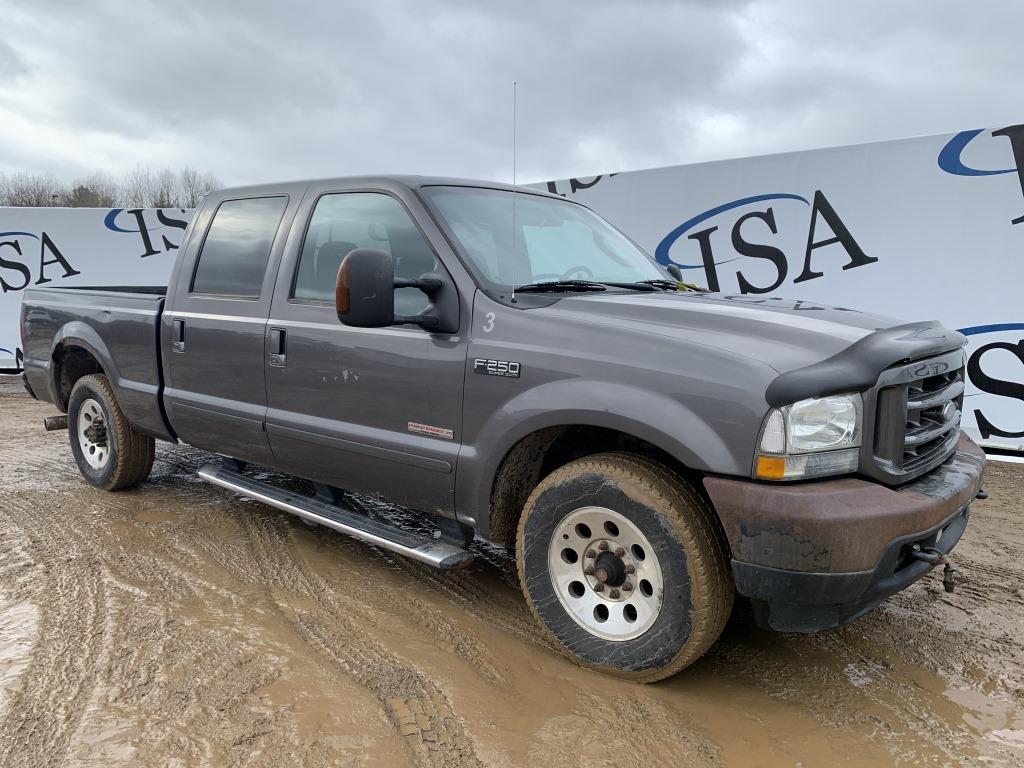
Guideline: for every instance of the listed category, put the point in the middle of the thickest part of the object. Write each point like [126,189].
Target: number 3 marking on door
[489,325]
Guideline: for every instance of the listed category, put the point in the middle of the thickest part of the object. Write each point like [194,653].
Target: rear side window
[234,256]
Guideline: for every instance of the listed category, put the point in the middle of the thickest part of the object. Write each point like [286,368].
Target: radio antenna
[513,134]
[513,242]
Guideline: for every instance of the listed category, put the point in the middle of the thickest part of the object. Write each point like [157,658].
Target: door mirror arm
[429,322]
[426,283]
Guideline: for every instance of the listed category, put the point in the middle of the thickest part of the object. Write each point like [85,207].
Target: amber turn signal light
[771,467]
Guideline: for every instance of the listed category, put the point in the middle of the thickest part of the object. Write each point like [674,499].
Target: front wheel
[109,452]
[621,561]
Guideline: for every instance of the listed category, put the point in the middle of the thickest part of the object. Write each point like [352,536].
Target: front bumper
[820,554]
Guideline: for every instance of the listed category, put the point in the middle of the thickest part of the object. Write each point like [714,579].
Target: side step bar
[434,552]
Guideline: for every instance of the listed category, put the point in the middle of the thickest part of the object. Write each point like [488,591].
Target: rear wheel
[622,562]
[110,453]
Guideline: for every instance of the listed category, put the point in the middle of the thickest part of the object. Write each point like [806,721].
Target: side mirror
[364,294]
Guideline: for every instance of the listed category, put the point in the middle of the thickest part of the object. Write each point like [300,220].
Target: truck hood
[785,334]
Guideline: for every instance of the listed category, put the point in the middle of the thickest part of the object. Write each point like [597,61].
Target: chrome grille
[933,417]
[918,414]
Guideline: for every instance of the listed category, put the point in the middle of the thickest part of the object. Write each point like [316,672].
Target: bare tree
[194,186]
[141,187]
[165,190]
[138,188]
[25,190]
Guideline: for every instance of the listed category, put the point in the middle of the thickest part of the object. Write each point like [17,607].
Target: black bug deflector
[856,368]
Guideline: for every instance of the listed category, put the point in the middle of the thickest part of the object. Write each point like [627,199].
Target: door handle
[178,336]
[278,339]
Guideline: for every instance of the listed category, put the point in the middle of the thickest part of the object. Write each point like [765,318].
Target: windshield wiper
[641,286]
[665,285]
[560,285]
[672,285]
[595,285]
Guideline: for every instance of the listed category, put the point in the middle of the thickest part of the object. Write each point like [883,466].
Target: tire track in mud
[445,632]
[219,708]
[640,725]
[633,729]
[138,557]
[416,705]
[93,658]
[466,590]
[506,611]
[22,469]
[59,679]
[627,730]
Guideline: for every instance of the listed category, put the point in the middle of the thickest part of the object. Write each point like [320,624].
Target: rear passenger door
[377,410]
[213,334]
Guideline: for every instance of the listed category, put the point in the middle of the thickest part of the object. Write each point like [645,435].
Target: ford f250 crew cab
[514,368]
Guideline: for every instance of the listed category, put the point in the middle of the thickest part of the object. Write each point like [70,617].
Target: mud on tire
[659,507]
[129,454]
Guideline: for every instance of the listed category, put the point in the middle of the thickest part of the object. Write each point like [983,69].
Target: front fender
[656,418]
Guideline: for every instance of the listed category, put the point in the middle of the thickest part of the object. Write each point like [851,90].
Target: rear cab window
[233,259]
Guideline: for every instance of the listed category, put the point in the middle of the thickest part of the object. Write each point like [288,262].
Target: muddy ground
[177,625]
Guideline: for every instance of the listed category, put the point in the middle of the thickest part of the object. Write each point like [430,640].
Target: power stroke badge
[507,368]
[432,431]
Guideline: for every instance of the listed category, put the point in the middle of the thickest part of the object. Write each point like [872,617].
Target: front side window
[345,221]
[520,238]
[234,256]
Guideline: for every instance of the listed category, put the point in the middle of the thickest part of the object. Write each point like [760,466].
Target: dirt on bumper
[818,554]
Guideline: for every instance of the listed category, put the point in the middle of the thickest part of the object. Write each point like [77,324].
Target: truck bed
[118,325]
[149,290]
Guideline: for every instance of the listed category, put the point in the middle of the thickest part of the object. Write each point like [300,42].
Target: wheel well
[539,454]
[70,364]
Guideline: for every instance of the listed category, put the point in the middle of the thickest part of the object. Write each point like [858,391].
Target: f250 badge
[506,368]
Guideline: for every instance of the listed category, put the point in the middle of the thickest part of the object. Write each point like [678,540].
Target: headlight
[811,438]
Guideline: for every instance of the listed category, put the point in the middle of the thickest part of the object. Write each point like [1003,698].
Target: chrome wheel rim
[605,573]
[92,434]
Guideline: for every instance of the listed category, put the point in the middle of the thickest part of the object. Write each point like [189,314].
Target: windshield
[543,239]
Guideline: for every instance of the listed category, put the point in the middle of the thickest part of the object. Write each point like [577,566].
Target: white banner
[918,229]
[80,246]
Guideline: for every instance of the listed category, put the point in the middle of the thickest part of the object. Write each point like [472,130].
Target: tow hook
[949,577]
[982,494]
[934,557]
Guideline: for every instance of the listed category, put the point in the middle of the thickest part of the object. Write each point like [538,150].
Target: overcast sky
[274,89]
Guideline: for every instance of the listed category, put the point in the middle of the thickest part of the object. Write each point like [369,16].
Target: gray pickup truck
[514,368]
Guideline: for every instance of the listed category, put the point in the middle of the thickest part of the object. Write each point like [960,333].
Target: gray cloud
[260,90]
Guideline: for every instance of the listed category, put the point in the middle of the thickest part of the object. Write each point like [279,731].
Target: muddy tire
[110,454]
[623,564]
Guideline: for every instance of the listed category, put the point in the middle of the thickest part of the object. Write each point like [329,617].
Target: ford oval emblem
[949,412]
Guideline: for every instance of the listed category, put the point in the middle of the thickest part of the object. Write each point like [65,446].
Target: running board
[434,552]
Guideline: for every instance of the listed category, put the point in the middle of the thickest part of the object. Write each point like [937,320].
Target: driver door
[373,410]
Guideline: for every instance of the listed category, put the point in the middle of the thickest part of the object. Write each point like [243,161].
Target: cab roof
[384,181]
